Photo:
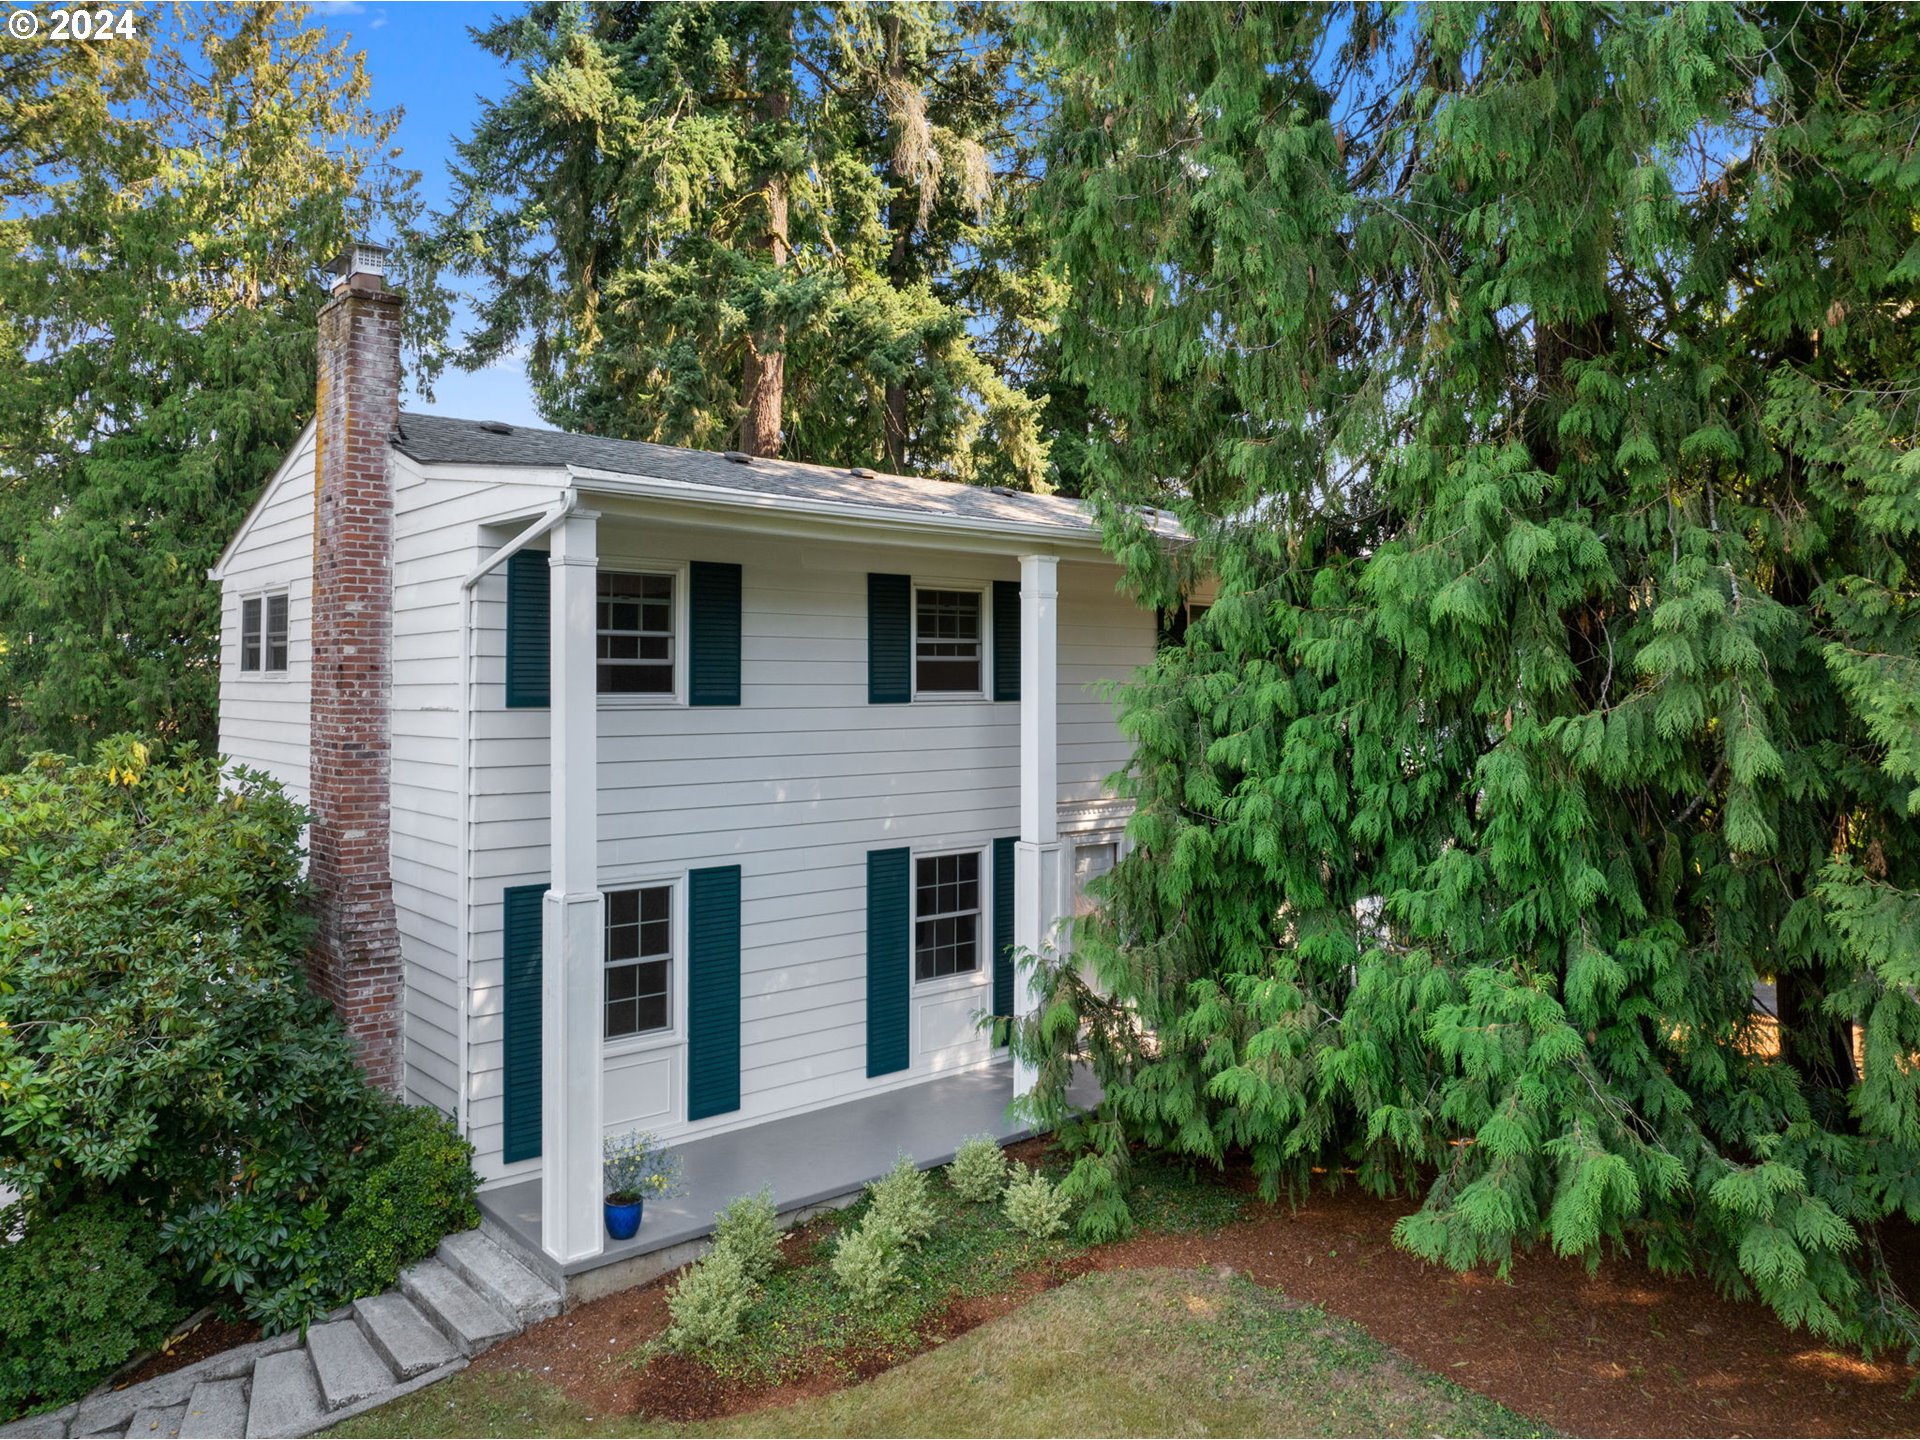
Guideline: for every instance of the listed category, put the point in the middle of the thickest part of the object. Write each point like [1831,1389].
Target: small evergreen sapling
[748,1228]
[979,1171]
[1034,1205]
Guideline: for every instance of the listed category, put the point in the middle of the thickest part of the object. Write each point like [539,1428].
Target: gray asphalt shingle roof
[437,439]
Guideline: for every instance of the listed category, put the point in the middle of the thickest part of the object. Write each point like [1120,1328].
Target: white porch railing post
[571,1226]
[1036,870]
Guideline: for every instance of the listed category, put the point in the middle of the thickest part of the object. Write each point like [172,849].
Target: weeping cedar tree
[1538,382]
[788,229]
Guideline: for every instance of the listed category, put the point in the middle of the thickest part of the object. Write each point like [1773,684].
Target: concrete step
[404,1338]
[51,1425]
[347,1366]
[285,1399]
[484,1264]
[156,1423]
[455,1308]
[217,1410]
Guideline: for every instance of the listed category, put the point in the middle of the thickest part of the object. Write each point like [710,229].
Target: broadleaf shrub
[901,1201]
[418,1188]
[1035,1205]
[160,1046]
[869,1260]
[81,1292]
[749,1228]
[979,1170]
[708,1303]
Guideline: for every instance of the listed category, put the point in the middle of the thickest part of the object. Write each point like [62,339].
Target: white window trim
[260,593]
[680,571]
[979,588]
[982,972]
[676,1031]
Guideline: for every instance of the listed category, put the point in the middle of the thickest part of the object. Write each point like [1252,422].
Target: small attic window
[495,427]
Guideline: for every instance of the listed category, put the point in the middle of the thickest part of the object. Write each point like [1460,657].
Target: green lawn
[1134,1353]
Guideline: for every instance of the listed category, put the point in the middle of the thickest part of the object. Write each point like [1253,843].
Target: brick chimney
[355,961]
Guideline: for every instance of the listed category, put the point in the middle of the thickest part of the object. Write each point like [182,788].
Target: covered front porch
[557,1218]
[811,1161]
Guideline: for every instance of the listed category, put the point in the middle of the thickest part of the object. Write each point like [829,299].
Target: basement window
[263,634]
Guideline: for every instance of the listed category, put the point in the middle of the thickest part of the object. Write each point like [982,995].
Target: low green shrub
[707,1304]
[749,1227]
[1034,1205]
[418,1187]
[81,1292]
[902,1202]
[979,1170]
[869,1260]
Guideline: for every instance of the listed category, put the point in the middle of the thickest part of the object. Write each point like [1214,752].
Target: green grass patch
[1158,1352]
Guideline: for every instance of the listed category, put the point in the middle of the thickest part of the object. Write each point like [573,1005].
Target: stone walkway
[472,1294]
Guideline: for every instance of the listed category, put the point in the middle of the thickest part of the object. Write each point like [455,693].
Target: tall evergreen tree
[157,302]
[779,228]
[1538,382]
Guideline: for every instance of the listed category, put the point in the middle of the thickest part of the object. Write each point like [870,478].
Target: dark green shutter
[1006,639]
[889,639]
[520,944]
[1003,925]
[1170,627]
[713,991]
[527,631]
[713,652]
[888,981]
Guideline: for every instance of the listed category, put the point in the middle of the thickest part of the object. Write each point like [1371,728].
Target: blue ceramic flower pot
[624,1220]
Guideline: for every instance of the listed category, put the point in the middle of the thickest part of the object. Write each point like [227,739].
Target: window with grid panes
[946,915]
[946,642]
[263,634]
[639,961]
[636,634]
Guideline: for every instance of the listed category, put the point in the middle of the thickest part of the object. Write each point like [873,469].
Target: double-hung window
[946,642]
[946,915]
[263,634]
[636,639]
[639,961]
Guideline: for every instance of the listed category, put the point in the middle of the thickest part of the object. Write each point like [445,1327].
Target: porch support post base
[1036,910]
[572,1226]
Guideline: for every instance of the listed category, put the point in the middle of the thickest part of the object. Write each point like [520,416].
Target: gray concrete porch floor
[810,1160]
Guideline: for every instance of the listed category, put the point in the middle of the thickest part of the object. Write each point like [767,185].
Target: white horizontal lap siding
[1104,636]
[436,543]
[795,786]
[264,718]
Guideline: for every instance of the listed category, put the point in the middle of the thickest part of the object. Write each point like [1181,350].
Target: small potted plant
[637,1167]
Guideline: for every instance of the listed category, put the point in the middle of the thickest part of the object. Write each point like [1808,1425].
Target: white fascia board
[219,570]
[1013,536]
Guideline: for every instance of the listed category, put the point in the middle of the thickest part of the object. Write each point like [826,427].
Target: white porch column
[1036,867]
[571,1227]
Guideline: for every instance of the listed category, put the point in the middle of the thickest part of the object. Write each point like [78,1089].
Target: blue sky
[421,59]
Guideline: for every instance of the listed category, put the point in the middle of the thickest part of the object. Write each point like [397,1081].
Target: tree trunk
[903,211]
[763,390]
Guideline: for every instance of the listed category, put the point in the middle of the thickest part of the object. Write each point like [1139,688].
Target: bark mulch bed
[209,1336]
[1619,1352]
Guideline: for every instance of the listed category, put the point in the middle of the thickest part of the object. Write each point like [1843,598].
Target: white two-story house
[659,788]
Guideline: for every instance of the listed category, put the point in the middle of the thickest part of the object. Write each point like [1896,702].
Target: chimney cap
[361,257]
